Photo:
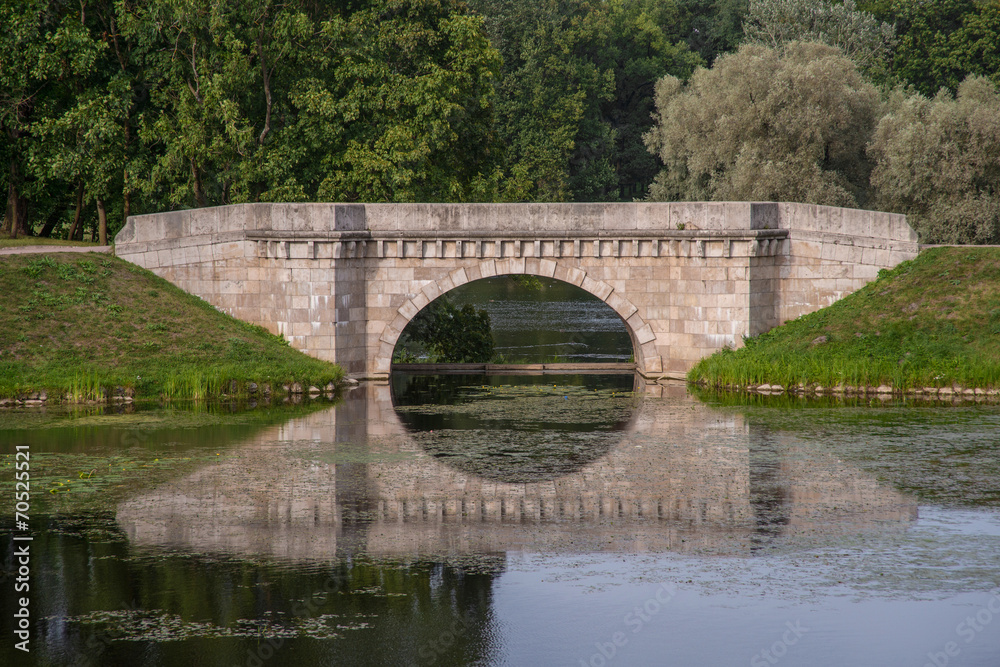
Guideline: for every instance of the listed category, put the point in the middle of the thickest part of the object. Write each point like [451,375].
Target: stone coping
[517,218]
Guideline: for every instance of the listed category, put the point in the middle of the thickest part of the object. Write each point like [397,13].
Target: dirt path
[35,249]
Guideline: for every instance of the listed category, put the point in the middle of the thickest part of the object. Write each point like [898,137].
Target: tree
[709,27]
[118,107]
[943,41]
[44,48]
[857,33]
[938,161]
[405,113]
[640,51]
[575,93]
[549,95]
[785,124]
[198,64]
[386,100]
[451,334]
[86,142]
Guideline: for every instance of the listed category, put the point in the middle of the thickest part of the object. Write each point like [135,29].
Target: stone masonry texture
[341,281]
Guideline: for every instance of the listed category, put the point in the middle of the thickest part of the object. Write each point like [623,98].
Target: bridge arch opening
[535,319]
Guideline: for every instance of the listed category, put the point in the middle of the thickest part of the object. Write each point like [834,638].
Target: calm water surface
[547,321]
[547,520]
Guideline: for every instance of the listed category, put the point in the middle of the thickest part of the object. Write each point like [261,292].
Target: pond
[532,520]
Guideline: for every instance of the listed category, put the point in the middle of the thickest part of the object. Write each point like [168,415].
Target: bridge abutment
[341,281]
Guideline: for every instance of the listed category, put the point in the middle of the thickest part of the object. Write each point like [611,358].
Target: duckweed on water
[517,456]
[89,459]
[149,416]
[66,483]
[945,455]
[535,405]
[346,452]
[160,626]
[521,433]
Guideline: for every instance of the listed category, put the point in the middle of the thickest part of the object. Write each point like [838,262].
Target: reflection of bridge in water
[352,480]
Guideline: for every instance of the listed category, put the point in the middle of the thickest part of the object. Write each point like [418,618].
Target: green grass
[933,321]
[22,241]
[82,325]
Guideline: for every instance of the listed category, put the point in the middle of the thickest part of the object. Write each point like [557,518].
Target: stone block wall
[341,281]
[835,251]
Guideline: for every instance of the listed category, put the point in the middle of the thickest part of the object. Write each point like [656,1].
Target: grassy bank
[81,326]
[930,322]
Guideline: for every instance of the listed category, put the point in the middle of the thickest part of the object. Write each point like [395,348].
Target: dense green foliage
[575,92]
[800,121]
[110,108]
[113,107]
[941,42]
[448,334]
[939,161]
[83,325]
[142,107]
[931,322]
[861,36]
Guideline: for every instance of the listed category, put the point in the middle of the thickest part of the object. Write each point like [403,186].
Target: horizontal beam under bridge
[517,369]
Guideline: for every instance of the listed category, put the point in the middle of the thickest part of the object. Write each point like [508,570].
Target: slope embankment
[931,325]
[78,327]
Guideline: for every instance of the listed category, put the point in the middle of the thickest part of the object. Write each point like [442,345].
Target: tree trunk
[199,193]
[22,217]
[102,217]
[53,220]
[17,207]
[127,202]
[266,78]
[126,186]
[77,215]
[8,216]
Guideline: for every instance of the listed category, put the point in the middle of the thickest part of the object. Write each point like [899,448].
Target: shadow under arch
[639,332]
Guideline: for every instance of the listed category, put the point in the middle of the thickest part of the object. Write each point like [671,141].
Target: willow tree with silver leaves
[771,124]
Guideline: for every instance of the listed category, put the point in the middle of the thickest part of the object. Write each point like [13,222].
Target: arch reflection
[354,480]
[515,429]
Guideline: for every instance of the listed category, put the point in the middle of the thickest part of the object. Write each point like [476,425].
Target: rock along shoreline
[954,392]
[124,395]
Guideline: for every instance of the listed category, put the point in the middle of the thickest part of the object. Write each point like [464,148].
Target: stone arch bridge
[341,281]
